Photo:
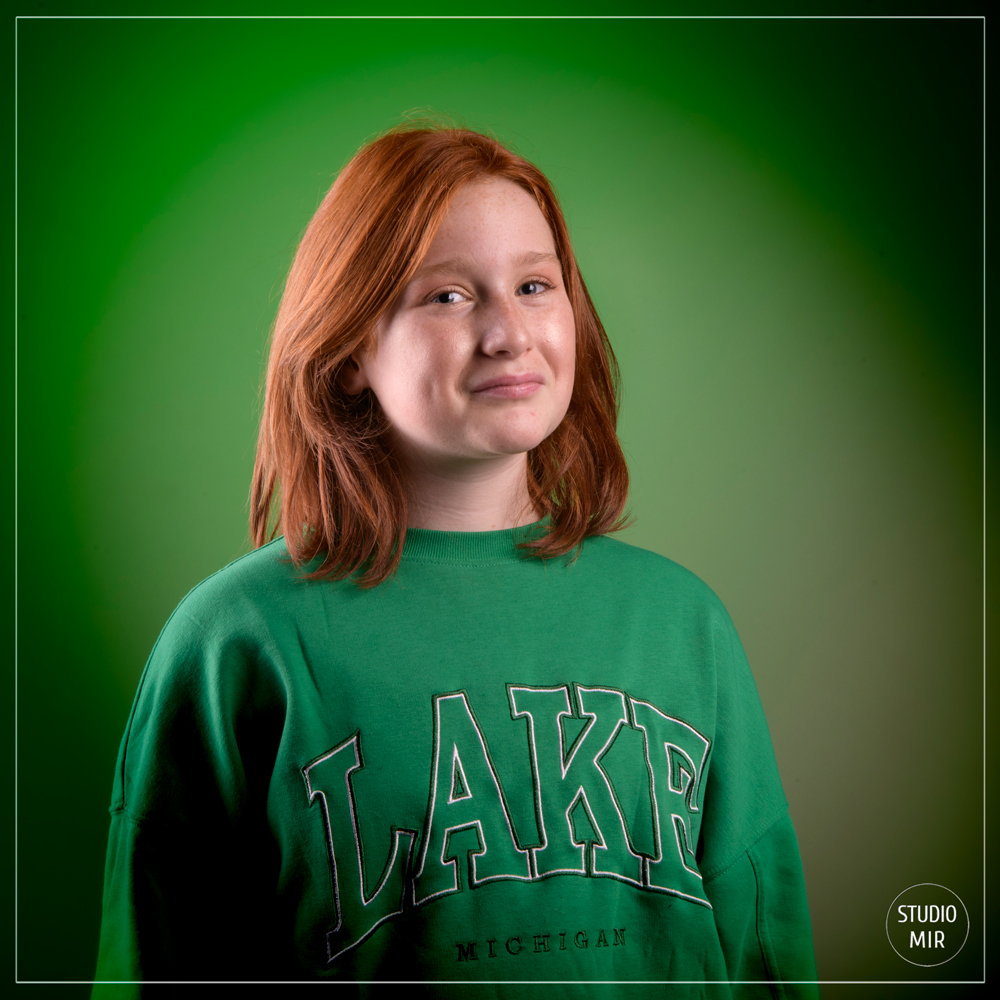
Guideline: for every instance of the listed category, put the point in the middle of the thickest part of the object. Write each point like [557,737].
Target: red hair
[326,475]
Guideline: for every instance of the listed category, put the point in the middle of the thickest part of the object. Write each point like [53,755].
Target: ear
[352,376]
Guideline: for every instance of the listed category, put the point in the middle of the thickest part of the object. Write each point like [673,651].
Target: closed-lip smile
[510,386]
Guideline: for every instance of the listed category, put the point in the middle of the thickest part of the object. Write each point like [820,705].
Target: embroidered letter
[676,755]
[359,911]
[466,814]
[580,824]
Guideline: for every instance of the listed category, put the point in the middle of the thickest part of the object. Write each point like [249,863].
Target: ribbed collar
[468,547]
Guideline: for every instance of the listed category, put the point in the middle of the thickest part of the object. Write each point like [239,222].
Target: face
[476,359]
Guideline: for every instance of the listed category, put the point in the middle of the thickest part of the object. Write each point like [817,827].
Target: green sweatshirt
[488,768]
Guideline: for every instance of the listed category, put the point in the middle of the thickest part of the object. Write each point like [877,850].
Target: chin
[516,445]
[517,439]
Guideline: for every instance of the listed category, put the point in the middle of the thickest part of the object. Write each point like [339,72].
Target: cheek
[567,357]
[386,373]
[409,376]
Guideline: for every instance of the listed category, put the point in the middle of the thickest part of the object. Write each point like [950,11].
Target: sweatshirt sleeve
[762,917]
[750,857]
[190,864]
[173,908]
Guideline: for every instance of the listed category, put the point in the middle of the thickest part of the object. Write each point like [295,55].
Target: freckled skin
[488,304]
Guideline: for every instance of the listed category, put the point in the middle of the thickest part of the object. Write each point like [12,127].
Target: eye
[448,298]
[532,288]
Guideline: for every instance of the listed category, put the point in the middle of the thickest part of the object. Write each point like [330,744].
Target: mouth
[510,386]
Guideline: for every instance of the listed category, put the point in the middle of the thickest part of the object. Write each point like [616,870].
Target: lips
[510,386]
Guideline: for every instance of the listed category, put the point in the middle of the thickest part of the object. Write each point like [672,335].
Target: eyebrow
[463,261]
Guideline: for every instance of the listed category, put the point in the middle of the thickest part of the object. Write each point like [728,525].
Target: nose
[504,332]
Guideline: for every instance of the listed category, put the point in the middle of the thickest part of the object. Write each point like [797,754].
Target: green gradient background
[781,225]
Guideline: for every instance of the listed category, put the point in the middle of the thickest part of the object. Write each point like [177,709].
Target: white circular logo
[927,924]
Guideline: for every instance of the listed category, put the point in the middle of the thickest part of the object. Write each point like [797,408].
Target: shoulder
[230,624]
[214,666]
[661,598]
[638,570]
[262,578]
[250,594]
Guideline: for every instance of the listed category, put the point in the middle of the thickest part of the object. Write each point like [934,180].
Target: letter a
[466,804]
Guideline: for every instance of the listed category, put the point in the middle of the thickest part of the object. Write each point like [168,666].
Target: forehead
[492,217]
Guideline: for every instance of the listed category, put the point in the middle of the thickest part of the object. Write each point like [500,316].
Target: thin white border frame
[498,17]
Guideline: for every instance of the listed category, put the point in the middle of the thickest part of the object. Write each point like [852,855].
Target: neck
[470,495]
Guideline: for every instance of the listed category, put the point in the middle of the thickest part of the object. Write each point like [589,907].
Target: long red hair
[326,476]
